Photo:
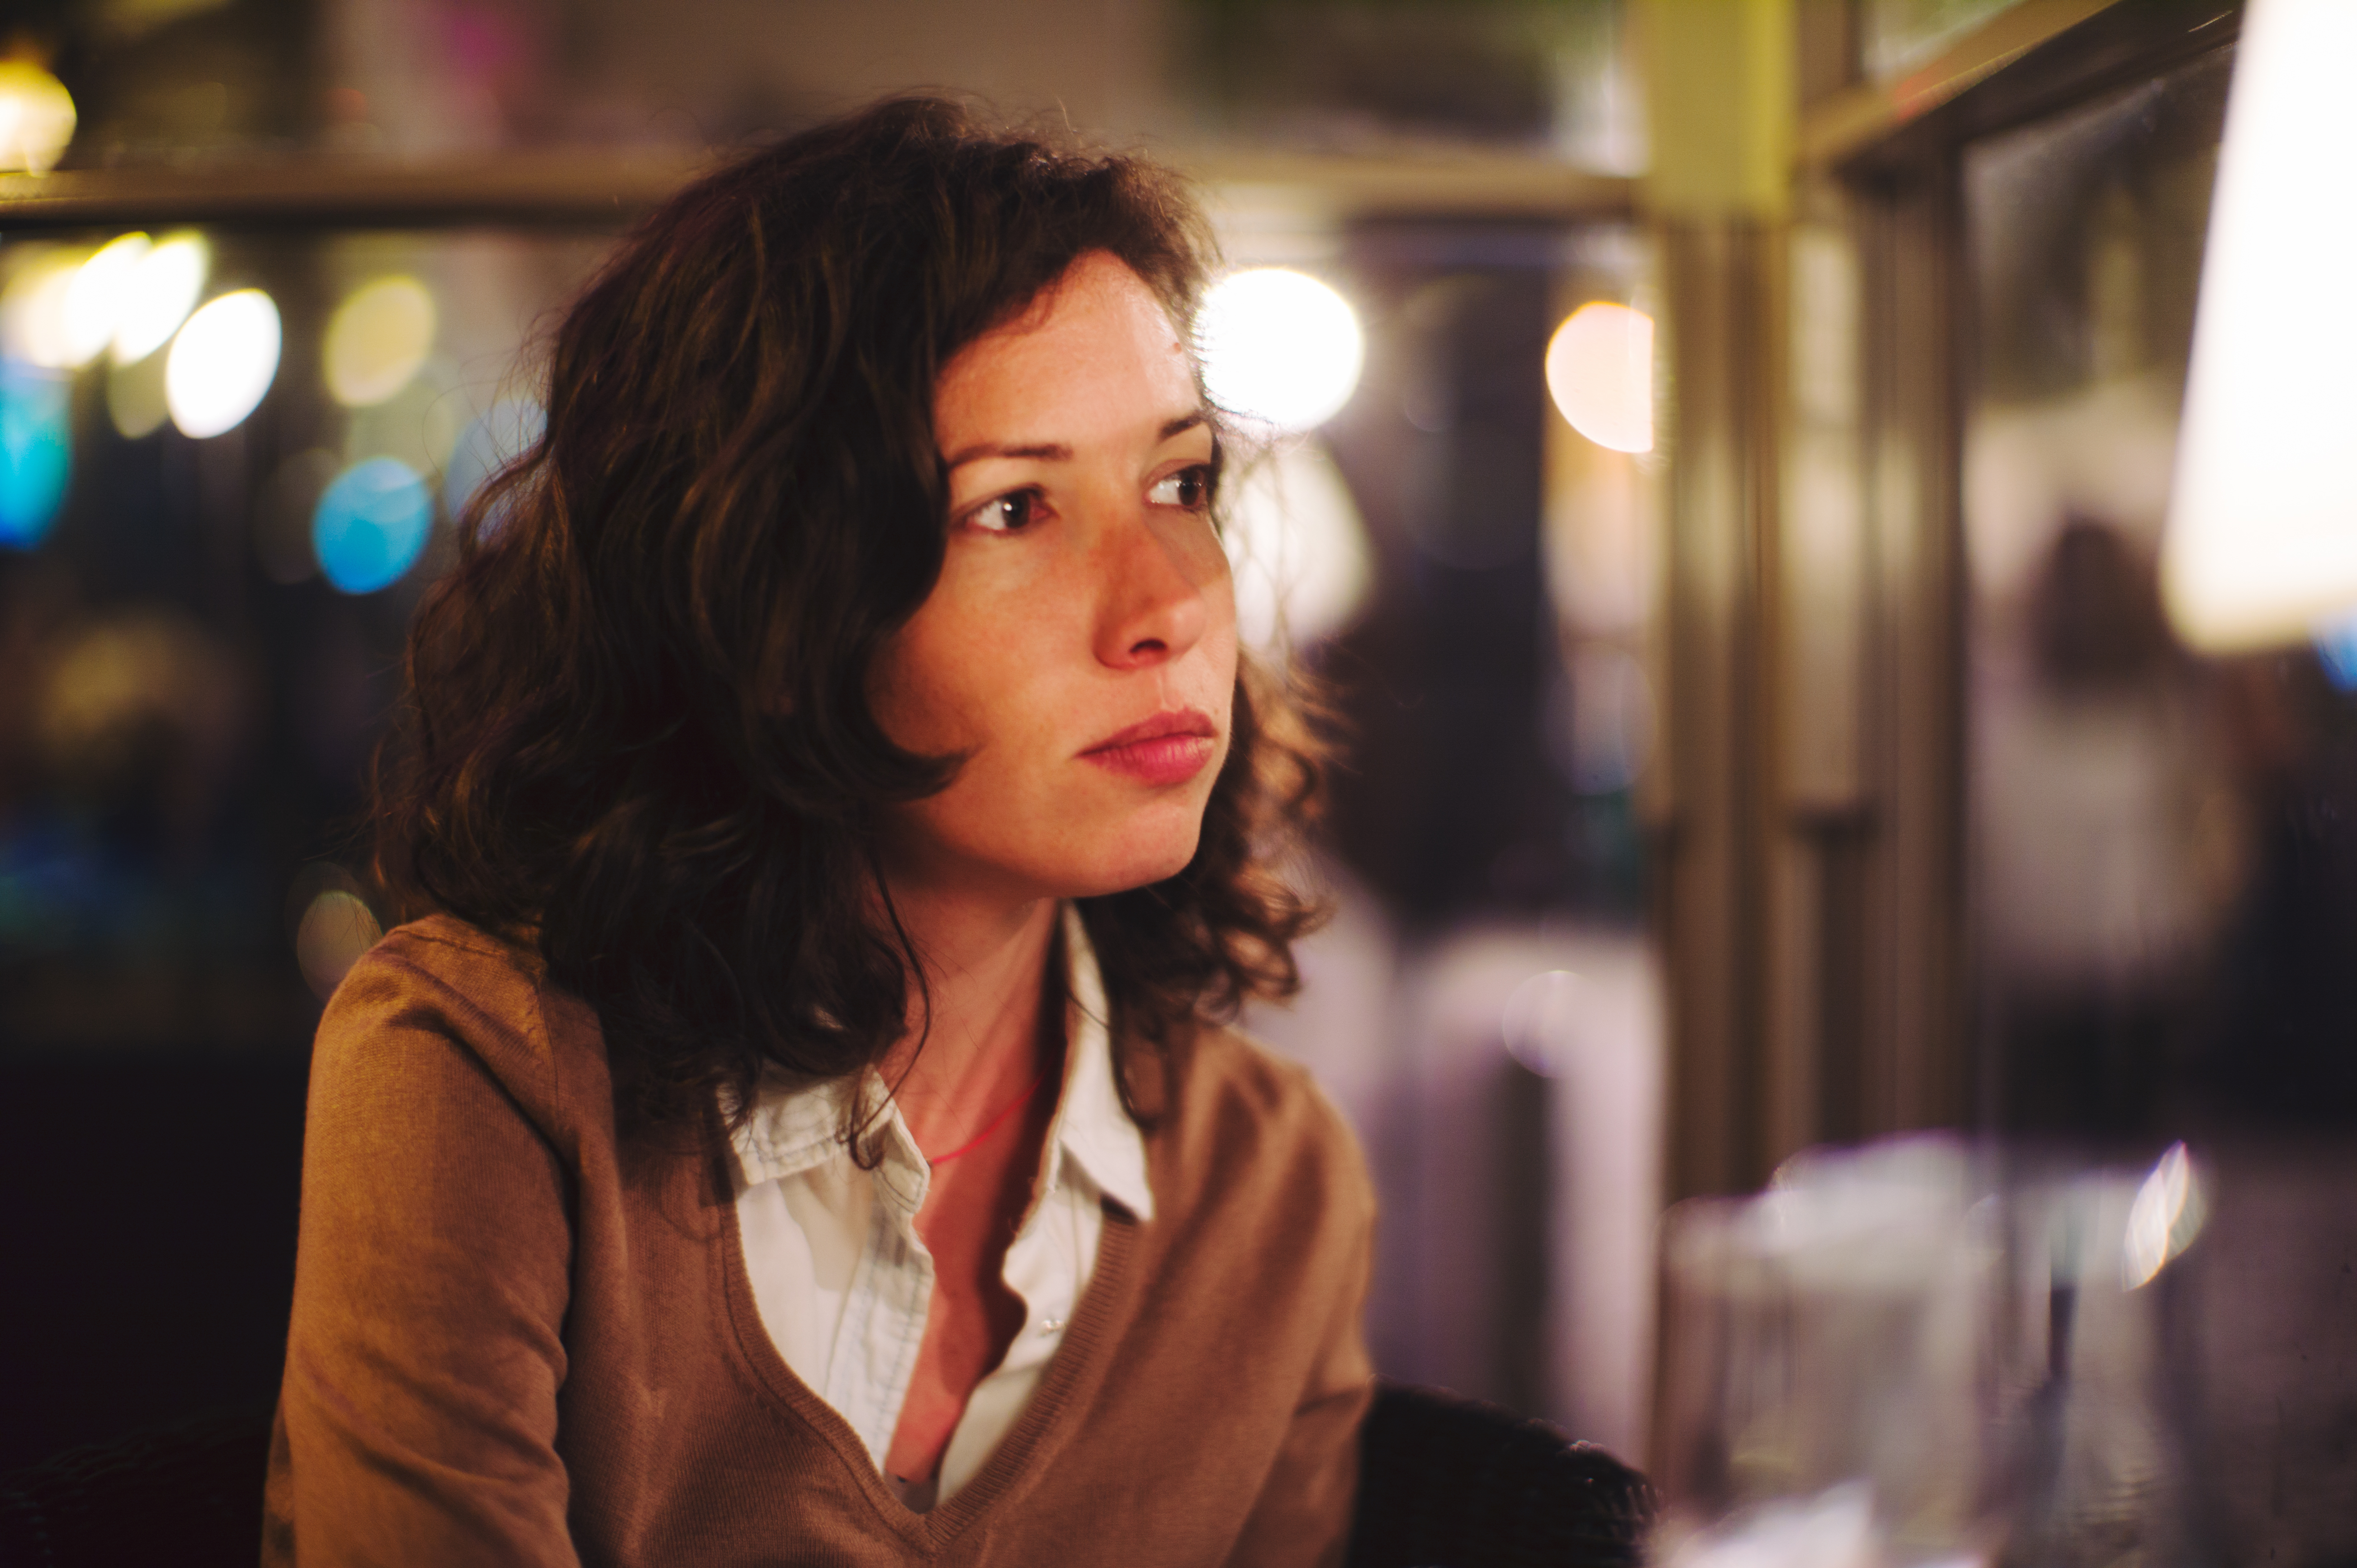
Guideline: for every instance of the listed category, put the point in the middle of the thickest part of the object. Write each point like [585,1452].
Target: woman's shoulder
[1240,1110]
[441,994]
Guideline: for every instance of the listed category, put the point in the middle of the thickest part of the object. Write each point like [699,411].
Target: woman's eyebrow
[1056,451]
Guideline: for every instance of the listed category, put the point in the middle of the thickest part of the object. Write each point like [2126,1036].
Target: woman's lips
[1169,749]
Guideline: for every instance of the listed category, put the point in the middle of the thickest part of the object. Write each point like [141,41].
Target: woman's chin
[1136,864]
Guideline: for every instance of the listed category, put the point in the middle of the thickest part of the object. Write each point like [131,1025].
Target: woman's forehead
[1095,355]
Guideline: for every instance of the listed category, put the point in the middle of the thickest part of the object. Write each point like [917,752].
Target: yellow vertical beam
[1722,96]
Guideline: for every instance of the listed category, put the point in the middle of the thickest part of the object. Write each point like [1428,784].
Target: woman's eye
[1007,513]
[1189,488]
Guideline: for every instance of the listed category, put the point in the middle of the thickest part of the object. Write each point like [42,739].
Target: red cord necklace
[936,1162]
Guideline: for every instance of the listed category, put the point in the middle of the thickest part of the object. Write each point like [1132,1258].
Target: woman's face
[1080,647]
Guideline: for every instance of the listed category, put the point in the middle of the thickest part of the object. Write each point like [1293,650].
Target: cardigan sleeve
[1304,1513]
[417,1418]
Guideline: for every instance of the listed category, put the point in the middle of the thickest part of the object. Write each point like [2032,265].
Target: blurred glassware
[1924,1351]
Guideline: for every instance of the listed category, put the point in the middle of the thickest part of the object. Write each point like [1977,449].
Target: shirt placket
[892,1291]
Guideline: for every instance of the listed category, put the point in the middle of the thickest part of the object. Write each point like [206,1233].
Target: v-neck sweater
[517,1339]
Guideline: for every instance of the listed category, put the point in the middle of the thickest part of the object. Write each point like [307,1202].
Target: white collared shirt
[844,1281]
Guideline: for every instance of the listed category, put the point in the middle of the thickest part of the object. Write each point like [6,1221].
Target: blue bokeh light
[36,452]
[371,524]
[506,431]
[2336,645]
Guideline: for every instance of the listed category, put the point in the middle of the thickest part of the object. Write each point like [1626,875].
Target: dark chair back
[188,1494]
[1446,1482]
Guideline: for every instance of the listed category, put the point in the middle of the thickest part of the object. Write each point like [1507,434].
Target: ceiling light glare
[95,296]
[36,118]
[221,363]
[1600,369]
[2261,541]
[378,340]
[1279,347]
[159,294]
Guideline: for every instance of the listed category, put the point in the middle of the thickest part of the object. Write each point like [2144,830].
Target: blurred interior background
[1729,507]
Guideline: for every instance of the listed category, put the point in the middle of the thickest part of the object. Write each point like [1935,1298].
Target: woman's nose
[1152,598]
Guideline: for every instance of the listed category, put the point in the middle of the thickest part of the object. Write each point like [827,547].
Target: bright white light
[33,311]
[377,340]
[1279,347]
[1298,549]
[2262,537]
[221,363]
[96,296]
[2162,1220]
[159,294]
[37,117]
[1599,367]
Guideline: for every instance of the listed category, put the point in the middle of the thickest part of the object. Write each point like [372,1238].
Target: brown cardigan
[514,1343]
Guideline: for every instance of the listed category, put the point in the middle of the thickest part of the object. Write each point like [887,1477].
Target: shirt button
[1051,1325]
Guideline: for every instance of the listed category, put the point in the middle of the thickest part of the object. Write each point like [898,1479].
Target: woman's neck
[986,969]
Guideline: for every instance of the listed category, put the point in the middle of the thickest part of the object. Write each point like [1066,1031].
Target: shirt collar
[1091,1124]
[794,1129]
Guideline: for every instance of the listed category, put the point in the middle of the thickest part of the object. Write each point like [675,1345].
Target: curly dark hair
[636,733]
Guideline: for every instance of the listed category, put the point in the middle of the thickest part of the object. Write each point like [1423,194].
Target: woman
[795,1132]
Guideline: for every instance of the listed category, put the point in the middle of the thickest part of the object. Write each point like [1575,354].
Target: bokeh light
[2336,648]
[336,929]
[222,362]
[134,397]
[36,118]
[506,431]
[371,524]
[36,452]
[1600,369]
[1299,548]
[33,309]
[1279,347]
[377,339]
[159,294]
[1607,740]
[95,297]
